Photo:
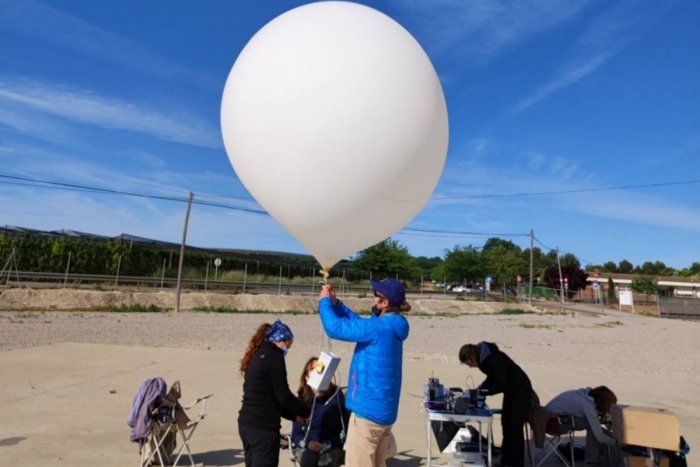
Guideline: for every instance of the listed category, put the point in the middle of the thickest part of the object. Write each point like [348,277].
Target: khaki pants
[368,444]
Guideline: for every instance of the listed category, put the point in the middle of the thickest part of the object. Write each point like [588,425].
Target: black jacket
[266,394]
[503,375]
[329,418]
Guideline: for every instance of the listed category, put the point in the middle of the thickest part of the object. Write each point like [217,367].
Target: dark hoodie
[503,375]
[266,394]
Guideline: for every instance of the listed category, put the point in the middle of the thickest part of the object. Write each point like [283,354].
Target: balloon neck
[325,273]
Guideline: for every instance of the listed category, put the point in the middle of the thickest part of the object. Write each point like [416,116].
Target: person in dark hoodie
[266,395]
[319,441]
[503,375]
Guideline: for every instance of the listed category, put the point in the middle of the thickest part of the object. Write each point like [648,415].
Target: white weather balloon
[335,121]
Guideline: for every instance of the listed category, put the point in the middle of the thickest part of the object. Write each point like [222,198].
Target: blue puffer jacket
[374,382]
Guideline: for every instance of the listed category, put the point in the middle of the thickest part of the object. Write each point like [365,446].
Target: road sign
[217,263]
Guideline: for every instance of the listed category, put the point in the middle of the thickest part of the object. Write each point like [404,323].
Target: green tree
[609,266]
[503,261]
[625,267]
[569,259]
[540,262]
[464,263]
[644,284]
[657,268]
[692,271]
[427,265]
[611,290]
[438,273]
[695,269]
[387,259]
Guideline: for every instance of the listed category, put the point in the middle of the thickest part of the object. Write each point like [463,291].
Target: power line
[456,232]
[563,192]
[552,249]
[537,240]
[403,232]
[86,188]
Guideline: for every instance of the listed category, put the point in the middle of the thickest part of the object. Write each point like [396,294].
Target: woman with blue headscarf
[266,395]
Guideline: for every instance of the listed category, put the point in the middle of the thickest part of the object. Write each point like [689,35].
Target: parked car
[459,288]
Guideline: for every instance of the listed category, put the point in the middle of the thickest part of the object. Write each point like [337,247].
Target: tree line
[501,260]
[504,262]
[29,251]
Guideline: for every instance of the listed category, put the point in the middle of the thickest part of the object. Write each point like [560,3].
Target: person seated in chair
[590,409]
[319,440]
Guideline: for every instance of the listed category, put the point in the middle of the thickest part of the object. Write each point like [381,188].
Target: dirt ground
[96,360]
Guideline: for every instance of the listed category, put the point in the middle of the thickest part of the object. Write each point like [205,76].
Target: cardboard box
[323,371]
[639,461]
[646,426]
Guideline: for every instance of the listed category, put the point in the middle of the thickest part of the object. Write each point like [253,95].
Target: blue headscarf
[278,332]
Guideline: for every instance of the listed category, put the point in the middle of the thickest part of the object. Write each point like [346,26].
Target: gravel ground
[645,360]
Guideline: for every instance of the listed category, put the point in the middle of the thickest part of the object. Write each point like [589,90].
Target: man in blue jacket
[374,382]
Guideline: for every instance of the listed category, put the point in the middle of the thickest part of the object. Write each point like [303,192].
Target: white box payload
[322,373]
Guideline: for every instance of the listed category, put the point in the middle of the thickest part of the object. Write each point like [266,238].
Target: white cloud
[113,215]
[480,29]
[33,19]
[642,209]
[535,159]
[556,174]
[29,98]
[607,35]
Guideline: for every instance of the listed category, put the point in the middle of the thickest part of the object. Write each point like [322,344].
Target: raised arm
[341,323]
[596,428]
[290,406]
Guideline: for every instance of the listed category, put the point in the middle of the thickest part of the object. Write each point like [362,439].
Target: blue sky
[542,96]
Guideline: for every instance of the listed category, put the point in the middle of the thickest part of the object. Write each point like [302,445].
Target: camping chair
[167,420]
[550,432]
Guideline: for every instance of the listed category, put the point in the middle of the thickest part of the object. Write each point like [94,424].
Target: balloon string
[325,275]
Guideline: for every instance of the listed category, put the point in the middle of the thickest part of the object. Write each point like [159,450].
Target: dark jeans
[513,418]
[261,447]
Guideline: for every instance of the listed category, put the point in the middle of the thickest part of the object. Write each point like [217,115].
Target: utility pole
[532,242]
[561,279]
[182,253]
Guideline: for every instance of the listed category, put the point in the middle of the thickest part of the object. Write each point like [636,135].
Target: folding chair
[167,420]
[558,429]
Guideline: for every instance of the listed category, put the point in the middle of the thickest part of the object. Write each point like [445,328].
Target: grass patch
[135,308]
[609,324]
[534,326]
[513,311]
[226,309]
[444,314]
[28,314]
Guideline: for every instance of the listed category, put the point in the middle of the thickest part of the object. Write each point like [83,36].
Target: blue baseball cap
[390,288]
